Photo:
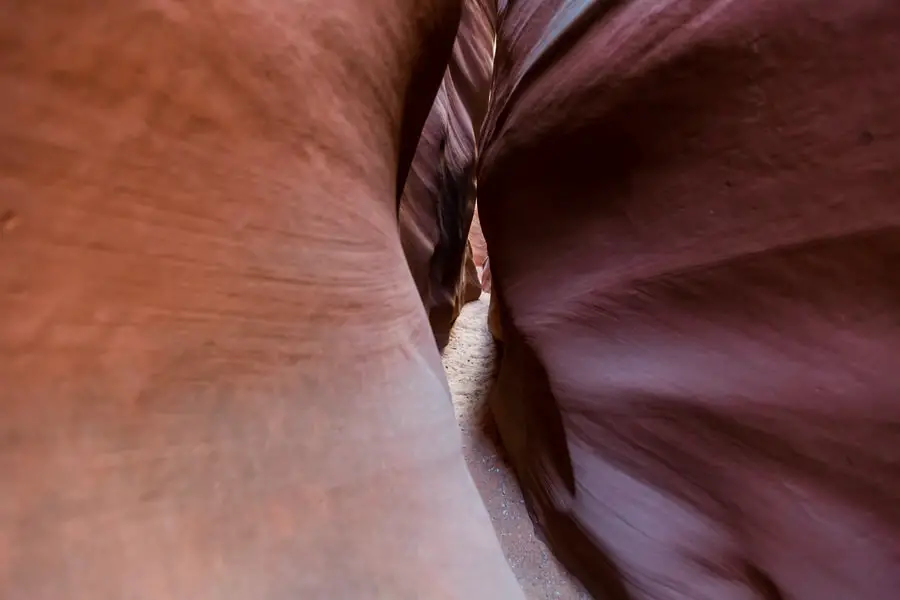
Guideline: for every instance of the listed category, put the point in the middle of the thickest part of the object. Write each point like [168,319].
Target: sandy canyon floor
[469,363]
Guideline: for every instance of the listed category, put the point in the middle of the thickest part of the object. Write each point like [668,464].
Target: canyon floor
[469,363]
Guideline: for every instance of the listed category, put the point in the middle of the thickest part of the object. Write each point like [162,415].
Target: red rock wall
[439,198]
[476,239]
[692,211]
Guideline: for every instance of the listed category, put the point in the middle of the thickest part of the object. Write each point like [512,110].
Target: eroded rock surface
[692,217]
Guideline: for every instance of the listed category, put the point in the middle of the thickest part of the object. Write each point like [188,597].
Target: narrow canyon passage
[469,364]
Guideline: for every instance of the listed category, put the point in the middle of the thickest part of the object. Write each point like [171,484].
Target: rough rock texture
[438,201]
[494,318]
[486,279]
[470,367]
[468,290]
[471,287]
[476,239]
[693,221]
[216,377]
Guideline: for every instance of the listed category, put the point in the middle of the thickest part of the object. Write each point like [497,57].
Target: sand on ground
[469,364]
